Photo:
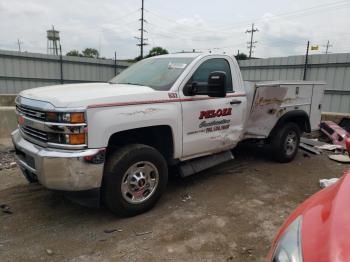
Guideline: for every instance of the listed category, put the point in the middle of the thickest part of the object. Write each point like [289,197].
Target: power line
[123,16]
[226,28]
[299,12]
[252,42]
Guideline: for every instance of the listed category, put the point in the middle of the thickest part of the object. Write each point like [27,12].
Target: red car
[318,230]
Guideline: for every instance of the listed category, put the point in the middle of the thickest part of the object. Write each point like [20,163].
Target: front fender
[105,121]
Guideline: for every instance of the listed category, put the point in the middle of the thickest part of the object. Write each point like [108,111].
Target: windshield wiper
[134,84]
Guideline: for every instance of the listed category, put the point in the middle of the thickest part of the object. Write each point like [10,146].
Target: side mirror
[191,89]
[217,84]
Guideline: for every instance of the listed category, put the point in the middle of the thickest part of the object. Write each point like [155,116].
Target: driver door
[211,124]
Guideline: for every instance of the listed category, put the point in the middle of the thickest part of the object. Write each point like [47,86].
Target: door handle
[235,102]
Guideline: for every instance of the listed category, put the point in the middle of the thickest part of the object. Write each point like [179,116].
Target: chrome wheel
[291,142]
[139,182]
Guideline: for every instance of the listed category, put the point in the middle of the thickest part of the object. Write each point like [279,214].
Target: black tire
[117,164]
[282,151]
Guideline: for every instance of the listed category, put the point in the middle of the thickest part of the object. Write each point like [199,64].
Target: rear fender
[299,117]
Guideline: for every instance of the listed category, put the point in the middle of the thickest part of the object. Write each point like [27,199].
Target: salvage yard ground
[227,213]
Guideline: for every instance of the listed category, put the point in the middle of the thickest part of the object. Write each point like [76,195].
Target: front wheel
[134,178]
[285,142]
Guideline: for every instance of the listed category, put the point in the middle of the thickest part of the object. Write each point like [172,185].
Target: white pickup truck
[116,140]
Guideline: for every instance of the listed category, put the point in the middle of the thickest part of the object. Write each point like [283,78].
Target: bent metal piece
[337,134]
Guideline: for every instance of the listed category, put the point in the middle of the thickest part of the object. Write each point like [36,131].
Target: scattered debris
[143,233]
[306,155]
[246,251]
[334,132]
[345,123]
[330,147]
[6,209]
[340,158]
[7,160]
[328,182]
[49,252]
[186,197]
[108,231]
[309,149]
[311,142]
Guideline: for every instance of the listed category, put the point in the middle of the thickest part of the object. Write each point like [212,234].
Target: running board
[196,165]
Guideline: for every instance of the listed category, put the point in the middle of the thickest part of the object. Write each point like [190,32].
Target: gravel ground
[227,213]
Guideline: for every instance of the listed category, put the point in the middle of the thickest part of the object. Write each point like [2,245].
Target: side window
[202,73]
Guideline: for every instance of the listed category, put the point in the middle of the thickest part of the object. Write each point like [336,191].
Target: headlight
[289,249]
[72,118]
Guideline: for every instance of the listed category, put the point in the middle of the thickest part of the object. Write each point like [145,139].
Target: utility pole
[327,46]
[19,45]
[141,38]
[252,43]
[61,65]
[306,60]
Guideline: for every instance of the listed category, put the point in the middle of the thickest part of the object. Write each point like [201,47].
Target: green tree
[73,53]
[157,51]
[90,52]
[241,56]
[138,58]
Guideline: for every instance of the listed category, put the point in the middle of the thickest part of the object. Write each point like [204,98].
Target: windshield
[158,73]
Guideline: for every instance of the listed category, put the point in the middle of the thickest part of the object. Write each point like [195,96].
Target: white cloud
[110,25]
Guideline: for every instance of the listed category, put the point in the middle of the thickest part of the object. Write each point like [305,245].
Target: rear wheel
[285,142]
[135,177]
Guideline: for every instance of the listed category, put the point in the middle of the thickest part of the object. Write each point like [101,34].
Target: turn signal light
[73,118]
[77,118]
[77,139]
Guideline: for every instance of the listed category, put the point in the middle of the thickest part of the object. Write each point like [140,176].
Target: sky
[218,26]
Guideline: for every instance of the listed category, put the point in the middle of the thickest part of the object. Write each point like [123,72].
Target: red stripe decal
[144,102]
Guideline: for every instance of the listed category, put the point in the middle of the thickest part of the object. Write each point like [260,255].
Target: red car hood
[325,224]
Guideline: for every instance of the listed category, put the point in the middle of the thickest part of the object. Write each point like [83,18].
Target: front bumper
[59,169]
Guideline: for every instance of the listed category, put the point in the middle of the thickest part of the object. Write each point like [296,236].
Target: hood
[83,95]
[325,223]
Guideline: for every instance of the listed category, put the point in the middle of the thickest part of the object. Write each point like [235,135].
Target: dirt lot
[228,213]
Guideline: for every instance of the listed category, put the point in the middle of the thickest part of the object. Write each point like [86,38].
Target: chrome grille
[35,133]
[30,112]
[36,128]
